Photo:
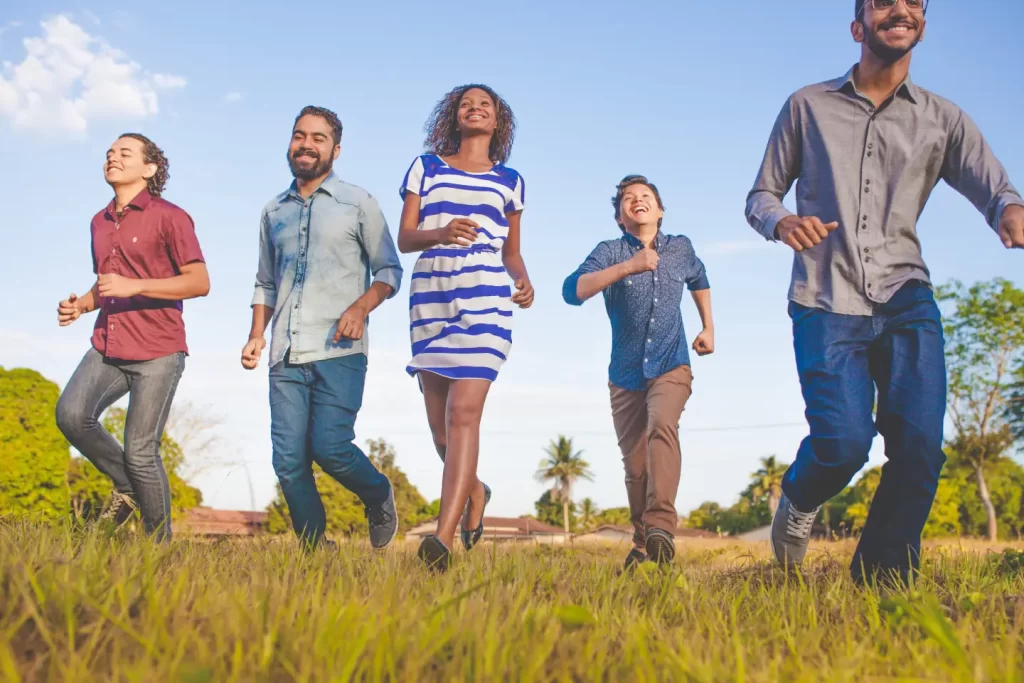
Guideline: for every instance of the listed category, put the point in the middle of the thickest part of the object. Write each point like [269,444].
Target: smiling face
[639,206]
[890,33]
[126,164]
[477,113]
[313,148]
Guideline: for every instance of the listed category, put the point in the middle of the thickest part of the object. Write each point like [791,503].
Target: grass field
[86,607]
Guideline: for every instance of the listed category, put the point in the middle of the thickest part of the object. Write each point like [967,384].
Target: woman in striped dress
[462,210]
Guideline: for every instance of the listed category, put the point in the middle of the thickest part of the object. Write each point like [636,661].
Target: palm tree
[588,511]
[563,466]
[768,482]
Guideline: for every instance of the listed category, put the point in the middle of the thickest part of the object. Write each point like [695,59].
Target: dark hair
[151,154]
[620,190]
[327,115]
[858,8]
[442,127]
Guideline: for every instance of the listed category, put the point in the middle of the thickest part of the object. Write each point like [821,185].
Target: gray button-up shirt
[871,170]
[316,258]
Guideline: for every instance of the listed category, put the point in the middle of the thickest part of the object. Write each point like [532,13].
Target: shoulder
[509,177]
[679,242]
[99,216]
[610,248]
[937,106]
[275,203]
[168,210]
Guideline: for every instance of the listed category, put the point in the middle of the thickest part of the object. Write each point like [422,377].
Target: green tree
[614,517]
[33,453]
[550,511]
[984,329]
[1015,405]
[767,481]
[563,465]
[588,513]
[345,513]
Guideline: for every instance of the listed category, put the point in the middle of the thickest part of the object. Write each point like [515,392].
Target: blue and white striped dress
[460,306]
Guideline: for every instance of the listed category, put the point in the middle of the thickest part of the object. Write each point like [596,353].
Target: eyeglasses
[912,5]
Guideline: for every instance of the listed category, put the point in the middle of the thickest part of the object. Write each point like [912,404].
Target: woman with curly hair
[462,211]
[147,260]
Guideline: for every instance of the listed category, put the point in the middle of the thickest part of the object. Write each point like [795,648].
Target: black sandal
[471,537]
[435,554]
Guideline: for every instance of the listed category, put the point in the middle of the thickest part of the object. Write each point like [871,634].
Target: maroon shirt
[150,240]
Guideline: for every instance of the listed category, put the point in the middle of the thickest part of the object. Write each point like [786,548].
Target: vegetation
[564,466]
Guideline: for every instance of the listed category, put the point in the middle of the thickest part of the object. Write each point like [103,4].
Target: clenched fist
[643,261]
[67,311]
[252,351]
[1011,227]
[803,232]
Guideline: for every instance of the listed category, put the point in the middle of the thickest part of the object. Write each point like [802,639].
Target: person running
[865,150]
[642,276]
[147,260]
[462,210]
[321,240]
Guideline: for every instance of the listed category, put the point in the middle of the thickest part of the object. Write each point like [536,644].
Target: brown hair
[327,115]
[442,127]
[620,190]
[151,154]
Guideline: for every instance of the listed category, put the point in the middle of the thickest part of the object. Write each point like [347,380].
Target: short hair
[327,115]
[626,182]
[151,154]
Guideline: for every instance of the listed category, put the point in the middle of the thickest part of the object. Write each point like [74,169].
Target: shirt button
[867,182]
[870,153]
[648,341]
[655,301]
[646,359]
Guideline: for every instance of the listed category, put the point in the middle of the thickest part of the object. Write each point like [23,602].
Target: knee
[660,426]
[334,455]
[290,468]
[463,415]
[72,419]
[852,446]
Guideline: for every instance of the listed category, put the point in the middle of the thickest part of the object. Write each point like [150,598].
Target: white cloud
[69,78]
[233,97]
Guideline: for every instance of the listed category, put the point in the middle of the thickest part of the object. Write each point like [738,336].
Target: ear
[150,171]
[337,152]
[857,31]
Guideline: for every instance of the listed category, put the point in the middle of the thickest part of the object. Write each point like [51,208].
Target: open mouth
[473,118]
[898,29]
[640,210]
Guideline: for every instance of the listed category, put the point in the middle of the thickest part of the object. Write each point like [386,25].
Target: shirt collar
[328,186]
[846,84]
[139,202]
[637,244]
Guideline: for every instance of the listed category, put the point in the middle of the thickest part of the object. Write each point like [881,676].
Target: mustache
[305,151]
[886,25]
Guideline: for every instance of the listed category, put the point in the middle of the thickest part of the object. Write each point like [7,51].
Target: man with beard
[320,241]
[866,150]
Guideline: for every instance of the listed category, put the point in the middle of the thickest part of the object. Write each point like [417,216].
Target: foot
[791,532]
[120,509]
[383,520]
[634,559]
[661,546]
[470,537]
[435,554]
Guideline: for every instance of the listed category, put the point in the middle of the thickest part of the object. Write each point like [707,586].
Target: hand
[643,261]
[803,232]
[251,352]
[67,311]
[524,296]
[704,344]
[1011,227]
[351,324]
[460,232]
[116,286]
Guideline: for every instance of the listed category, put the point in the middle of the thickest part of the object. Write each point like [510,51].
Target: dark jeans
[136,469]
[313,409]
[842,360]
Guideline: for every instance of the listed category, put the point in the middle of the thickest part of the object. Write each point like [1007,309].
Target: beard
[319,168]
[886,53]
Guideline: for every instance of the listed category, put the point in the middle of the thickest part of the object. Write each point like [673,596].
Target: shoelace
[378,516]
[798,524]
[117,501]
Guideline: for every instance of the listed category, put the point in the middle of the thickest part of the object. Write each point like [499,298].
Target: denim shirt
[648,339]
[316,258]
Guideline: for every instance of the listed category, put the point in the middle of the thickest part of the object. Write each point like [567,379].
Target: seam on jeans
[161,421]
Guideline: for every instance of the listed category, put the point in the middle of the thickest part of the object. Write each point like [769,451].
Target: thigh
[832,359]
[336,395]
[466,398]
[667,397]
[152,385]
[629,417]
[94,387]
[289,411]
[435,398]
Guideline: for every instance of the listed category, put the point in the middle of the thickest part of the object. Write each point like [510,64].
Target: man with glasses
[865,151]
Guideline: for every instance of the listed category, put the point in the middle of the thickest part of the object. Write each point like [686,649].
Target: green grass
[80,606]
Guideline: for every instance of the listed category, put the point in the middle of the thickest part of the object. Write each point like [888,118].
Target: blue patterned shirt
[648,338]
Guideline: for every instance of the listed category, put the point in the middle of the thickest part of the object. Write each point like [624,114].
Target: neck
[125,193]
[475,149]
[307,187]
[879,79]
[645,233]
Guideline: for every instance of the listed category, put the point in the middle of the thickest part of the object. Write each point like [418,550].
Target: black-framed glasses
[912,5]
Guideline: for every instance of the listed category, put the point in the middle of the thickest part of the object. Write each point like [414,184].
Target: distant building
[503,529]
[615,533]
[204,521]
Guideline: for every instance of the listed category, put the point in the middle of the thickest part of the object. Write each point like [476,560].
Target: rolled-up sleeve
[376,239]
[971,168]
[780,168]
[696,273]
[265,292]
[599,259]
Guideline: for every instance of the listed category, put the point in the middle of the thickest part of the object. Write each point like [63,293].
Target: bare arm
[71,309]
[261,317]
[193,282]
[702,298]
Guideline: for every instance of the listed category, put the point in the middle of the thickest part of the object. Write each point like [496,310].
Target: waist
[456,252]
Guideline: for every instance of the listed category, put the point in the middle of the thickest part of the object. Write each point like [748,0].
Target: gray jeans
[136,469]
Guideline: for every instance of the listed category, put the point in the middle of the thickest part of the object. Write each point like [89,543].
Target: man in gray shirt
[865,151]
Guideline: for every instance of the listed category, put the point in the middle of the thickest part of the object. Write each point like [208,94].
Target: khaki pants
[647,426]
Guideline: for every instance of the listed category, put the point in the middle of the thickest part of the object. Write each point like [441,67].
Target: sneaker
[661,546]
[791,532]
[383,519]
[634,559]
[120,509]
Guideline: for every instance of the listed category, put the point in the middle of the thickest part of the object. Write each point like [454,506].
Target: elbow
[202,288]
[570,292]
[403,245]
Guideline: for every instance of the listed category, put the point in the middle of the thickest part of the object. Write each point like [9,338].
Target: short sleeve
[517,202]
[413,181]
[182,243]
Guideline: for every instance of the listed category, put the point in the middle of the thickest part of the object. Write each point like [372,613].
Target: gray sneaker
[119,510]
[791,532]
[383,519]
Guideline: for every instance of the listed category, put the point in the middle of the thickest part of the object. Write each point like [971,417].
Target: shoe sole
[433,554]
[660,549]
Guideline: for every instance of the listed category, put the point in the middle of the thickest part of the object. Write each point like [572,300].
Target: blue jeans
[842,360]
[136,468]
[313,409]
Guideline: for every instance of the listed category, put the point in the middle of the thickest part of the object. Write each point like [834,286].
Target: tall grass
[84,606]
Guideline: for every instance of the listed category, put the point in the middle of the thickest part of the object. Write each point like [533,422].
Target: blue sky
[685,93]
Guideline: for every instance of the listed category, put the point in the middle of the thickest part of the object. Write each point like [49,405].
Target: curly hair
[442,127]
[620,190]
[327,115]
[151,154]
